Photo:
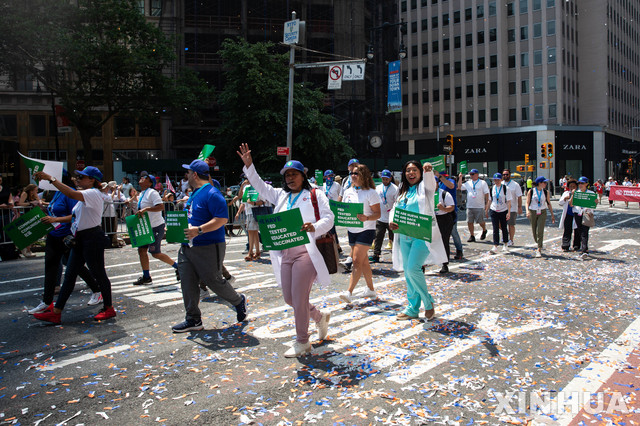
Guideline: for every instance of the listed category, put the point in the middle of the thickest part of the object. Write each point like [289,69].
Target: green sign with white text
[140,231]
[282,230]
[437,163]
[177,222]
[346,214]
[27,229]
[414,225]
[585,199]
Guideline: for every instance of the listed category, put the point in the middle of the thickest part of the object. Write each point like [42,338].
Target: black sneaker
[472,239]
[188,325]
[143,280]
[241,309]
[444,270]
[484,235]
[458,255]
[177,275]
[374,259]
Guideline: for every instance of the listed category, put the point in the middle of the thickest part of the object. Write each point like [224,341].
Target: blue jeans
[414,253]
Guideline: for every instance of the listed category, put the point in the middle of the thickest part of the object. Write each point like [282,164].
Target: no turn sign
[335,77]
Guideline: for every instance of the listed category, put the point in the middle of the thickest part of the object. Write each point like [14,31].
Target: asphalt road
[506,323]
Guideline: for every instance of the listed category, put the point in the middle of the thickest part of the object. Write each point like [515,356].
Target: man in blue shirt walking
[201,259]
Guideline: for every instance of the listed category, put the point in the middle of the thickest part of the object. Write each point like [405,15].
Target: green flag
[206,152]
[436,162]
[34,166]
[464,168]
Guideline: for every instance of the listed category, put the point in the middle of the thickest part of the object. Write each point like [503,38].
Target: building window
[537,57]
[8,125]
[414,4]
[469,90]
[538,112]
[405,123]
[537,30]
[553,111]
[37,125]
[468,39]
[156,7]
[524,59]
[536,4]
[434,22]
[552,83]
[414,51]
[446,68]
[458,118]
[481,89]
[510,12]
[425,24]
[47,154]
[414,74]
[140,4]
[493,34]
[492,8]
[493,87]
[414,27]
[551,55]
[524,33]
[551,3]
[480,37]
[446,94]
[551,28]
[469,117]
[436,120]
[537,84]
[447,118]
[481,64]
[512,114]
[494,114]
[445,44]
[480,11]
[434,46]
[525,114]
[415,122]
[493,61]
[482,116]
[458,92]
[524,87]
[512,61]
[445,20]
[511,35]
[524,7]
[425,48]
[425,121]
[403,6]
[435,71]
[469,65]
[456,17]
[457,42]
[457,67]
[124,127]
[512,87]
[468,14]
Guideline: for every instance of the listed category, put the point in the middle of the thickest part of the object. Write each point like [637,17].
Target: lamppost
[376,136]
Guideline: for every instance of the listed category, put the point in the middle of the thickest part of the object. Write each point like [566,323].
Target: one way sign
[353,71]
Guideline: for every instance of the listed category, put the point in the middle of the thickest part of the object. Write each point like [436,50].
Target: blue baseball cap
[473,171]
[353,161]
[497,176]
[197,166]
[541,179]
[152,178]
[329,173]
[293,164]
[583,179]
[385,174]
[92,172]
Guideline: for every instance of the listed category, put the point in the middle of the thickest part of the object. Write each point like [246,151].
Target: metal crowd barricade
[6,217]
[235,227]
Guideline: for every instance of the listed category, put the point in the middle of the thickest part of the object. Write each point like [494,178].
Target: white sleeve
[485,187]
[325,223]
[93,197]
[154,197]
[373,198]
[448,199]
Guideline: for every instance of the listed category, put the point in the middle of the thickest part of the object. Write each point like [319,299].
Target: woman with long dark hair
[416,194]
[89,242]
[362,190]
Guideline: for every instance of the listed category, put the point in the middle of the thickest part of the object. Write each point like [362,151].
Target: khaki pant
[537,226]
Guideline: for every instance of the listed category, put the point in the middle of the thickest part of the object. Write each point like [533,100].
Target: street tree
[99,58]
[253,106]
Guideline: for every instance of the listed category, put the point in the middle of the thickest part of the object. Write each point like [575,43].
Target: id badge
[473,195]
[538,212]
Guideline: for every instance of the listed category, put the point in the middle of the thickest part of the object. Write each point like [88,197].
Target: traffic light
[448,145]
[526,158]
[543,150]
[531,168]
[520,168]
[630,161]
[550,150]
[543,165]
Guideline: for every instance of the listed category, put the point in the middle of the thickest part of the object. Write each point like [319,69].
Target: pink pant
[297,274]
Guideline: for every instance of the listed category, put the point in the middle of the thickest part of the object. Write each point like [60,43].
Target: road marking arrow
[614,244]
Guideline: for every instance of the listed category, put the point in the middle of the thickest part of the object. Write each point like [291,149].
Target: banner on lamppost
[394,95]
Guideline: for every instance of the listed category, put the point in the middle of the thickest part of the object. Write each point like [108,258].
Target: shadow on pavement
[224,338]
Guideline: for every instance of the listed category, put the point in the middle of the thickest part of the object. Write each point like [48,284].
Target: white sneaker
[389,246]
[494,250]
[510,243]
[370,293]
[204,294]
[298,349]
[538,253]
[505,248]
[346,296]
[323,326]
[38,309]
[95,299]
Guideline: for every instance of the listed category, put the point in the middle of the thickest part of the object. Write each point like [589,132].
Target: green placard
[33,166]
[207,150]
[140,231]
[377,181]
[177,222]
[250,194]
[346,214]
[27,229]
[464,169]
[585,199]
[319,177]
[281,231]
[436,162]
[414,225]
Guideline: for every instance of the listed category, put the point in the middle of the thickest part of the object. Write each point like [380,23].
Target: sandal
[248,258]
[256,256]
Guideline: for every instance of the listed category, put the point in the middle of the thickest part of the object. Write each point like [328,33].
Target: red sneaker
[105,313]
[48,316]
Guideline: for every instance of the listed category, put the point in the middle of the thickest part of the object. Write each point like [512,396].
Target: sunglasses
[354,173]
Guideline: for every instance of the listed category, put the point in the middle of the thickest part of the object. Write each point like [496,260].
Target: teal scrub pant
[414,253]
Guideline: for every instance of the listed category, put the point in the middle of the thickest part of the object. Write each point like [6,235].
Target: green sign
[140,231]
[464,169]
[282,230]
[319,177]
[33,166]
[377,181]
[249,194]
[584,199]
[177,222]
[346,214]
[27,229]
[414,225]
[436,162]
[207,150]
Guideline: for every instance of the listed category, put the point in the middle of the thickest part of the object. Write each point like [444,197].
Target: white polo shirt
[475,193]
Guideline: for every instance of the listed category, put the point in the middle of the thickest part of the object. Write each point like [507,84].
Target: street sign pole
[292,59]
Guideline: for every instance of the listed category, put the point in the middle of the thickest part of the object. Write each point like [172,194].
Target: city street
[508,325]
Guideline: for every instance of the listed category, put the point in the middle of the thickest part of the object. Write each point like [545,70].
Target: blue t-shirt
[453,191]
[61,206]
[409,200]
[204,204]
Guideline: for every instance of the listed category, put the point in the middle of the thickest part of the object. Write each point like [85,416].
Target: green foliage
[254,110]
[98,55]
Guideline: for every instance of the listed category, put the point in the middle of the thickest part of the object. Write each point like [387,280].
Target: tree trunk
[85,136]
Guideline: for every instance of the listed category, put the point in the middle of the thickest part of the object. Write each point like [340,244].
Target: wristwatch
[53,179]
[199,230]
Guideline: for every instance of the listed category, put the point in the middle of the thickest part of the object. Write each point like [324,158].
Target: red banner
[624,193]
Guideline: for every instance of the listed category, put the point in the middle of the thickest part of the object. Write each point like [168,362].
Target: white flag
[53,168]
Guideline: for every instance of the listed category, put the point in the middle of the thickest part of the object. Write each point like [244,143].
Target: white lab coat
[425,192]
[279,197]
[564,203]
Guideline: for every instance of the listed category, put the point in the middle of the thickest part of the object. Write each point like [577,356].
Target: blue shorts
[364,238]
[158,233]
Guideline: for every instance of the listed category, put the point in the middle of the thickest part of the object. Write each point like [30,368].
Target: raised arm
[267,192]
